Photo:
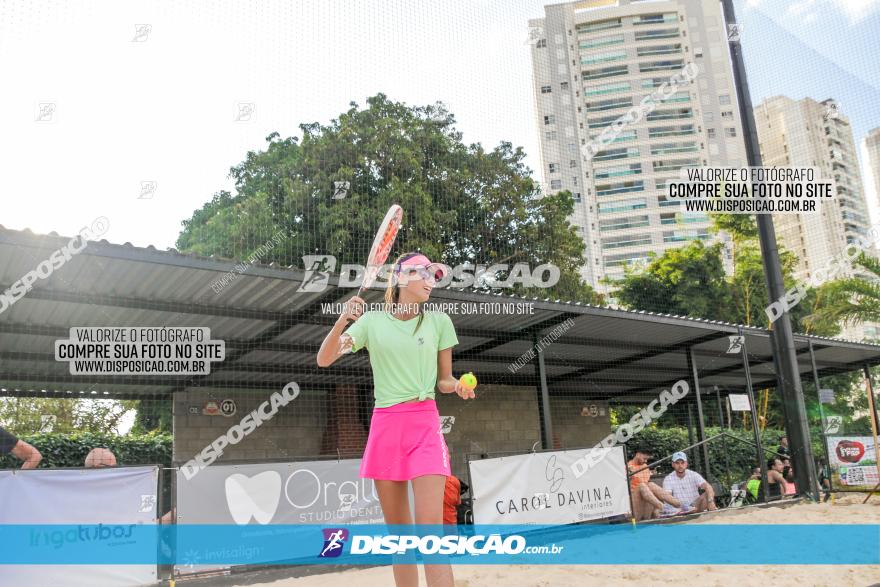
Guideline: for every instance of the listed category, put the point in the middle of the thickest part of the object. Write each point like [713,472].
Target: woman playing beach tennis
[411,357]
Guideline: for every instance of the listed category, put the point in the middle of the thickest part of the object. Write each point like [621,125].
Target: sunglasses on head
[412,271]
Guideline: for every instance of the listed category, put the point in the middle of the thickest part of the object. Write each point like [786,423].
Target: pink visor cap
[439,270]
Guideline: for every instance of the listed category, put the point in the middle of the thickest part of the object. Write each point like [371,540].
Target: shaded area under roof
[272,331]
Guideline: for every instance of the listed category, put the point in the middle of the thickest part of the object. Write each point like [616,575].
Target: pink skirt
[405,442]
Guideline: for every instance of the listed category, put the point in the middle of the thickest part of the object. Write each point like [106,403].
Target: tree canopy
[692,281]
[462,203]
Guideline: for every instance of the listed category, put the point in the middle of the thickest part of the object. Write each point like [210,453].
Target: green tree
[24,415]
[687,281]
[850,300]
[691,281]
[153,414]
[462,203]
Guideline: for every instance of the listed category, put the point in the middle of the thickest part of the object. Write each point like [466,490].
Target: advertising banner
[539,488]
[853,462]
[106,506]
[306,492]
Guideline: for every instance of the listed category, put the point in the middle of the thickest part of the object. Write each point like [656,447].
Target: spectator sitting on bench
[753,485]
[790,488]
[685,485]
[99,458]
[648,498]
[775,479]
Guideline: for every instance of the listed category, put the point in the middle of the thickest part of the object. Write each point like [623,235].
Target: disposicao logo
[430,544]
[334,540]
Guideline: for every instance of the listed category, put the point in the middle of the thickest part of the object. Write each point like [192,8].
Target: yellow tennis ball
[468,380]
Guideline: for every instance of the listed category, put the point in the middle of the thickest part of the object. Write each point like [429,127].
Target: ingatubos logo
[334,540]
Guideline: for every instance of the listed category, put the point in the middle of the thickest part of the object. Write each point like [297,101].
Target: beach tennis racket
[382,245]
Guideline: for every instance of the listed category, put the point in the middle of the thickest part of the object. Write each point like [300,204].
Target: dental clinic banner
[306,492]
[542,488]
[101,510]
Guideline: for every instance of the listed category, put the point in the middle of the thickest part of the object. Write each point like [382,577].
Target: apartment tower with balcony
[872,145]
[807,133]
[593,61]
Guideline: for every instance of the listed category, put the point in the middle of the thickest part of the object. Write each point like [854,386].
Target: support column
[721,429]
[701,430]
[759,450]
[544,403]
[821,419]
[872,406]
[788,373]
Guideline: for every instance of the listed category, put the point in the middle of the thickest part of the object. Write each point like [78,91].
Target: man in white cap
[685,485]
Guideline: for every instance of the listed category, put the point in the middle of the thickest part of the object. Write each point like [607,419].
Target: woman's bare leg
[394,498]
[428,490]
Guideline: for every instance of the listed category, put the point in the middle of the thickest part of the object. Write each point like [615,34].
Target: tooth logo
[255,497]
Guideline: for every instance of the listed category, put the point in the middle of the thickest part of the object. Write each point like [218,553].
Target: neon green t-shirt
[404,361]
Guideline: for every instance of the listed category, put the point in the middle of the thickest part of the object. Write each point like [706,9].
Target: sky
[145,118]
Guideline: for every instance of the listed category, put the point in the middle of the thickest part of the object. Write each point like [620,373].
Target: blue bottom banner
[681,544]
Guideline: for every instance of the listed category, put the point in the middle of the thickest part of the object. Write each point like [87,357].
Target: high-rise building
[595,61]
[872,143]
[806,133]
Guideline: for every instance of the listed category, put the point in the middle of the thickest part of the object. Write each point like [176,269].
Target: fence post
[875,420]
[544,404]
[701,431]
[788,373]
[762,461]
[821,419]
[721,430]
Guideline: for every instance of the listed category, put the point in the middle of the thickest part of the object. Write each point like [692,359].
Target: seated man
[753,486]
[685,485]
[100,457]
[10,444]
[647,497]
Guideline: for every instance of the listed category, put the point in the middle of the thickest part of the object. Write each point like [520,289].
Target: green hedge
[70,450]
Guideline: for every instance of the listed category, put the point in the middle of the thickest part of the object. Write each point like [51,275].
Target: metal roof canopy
[272,332]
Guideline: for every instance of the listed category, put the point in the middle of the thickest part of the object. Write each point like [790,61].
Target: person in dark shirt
[824,479]
[20,449]
[783,449]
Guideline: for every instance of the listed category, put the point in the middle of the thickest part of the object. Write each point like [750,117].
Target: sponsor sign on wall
[308,492]
[540,488]
[853,462]
[105,505]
